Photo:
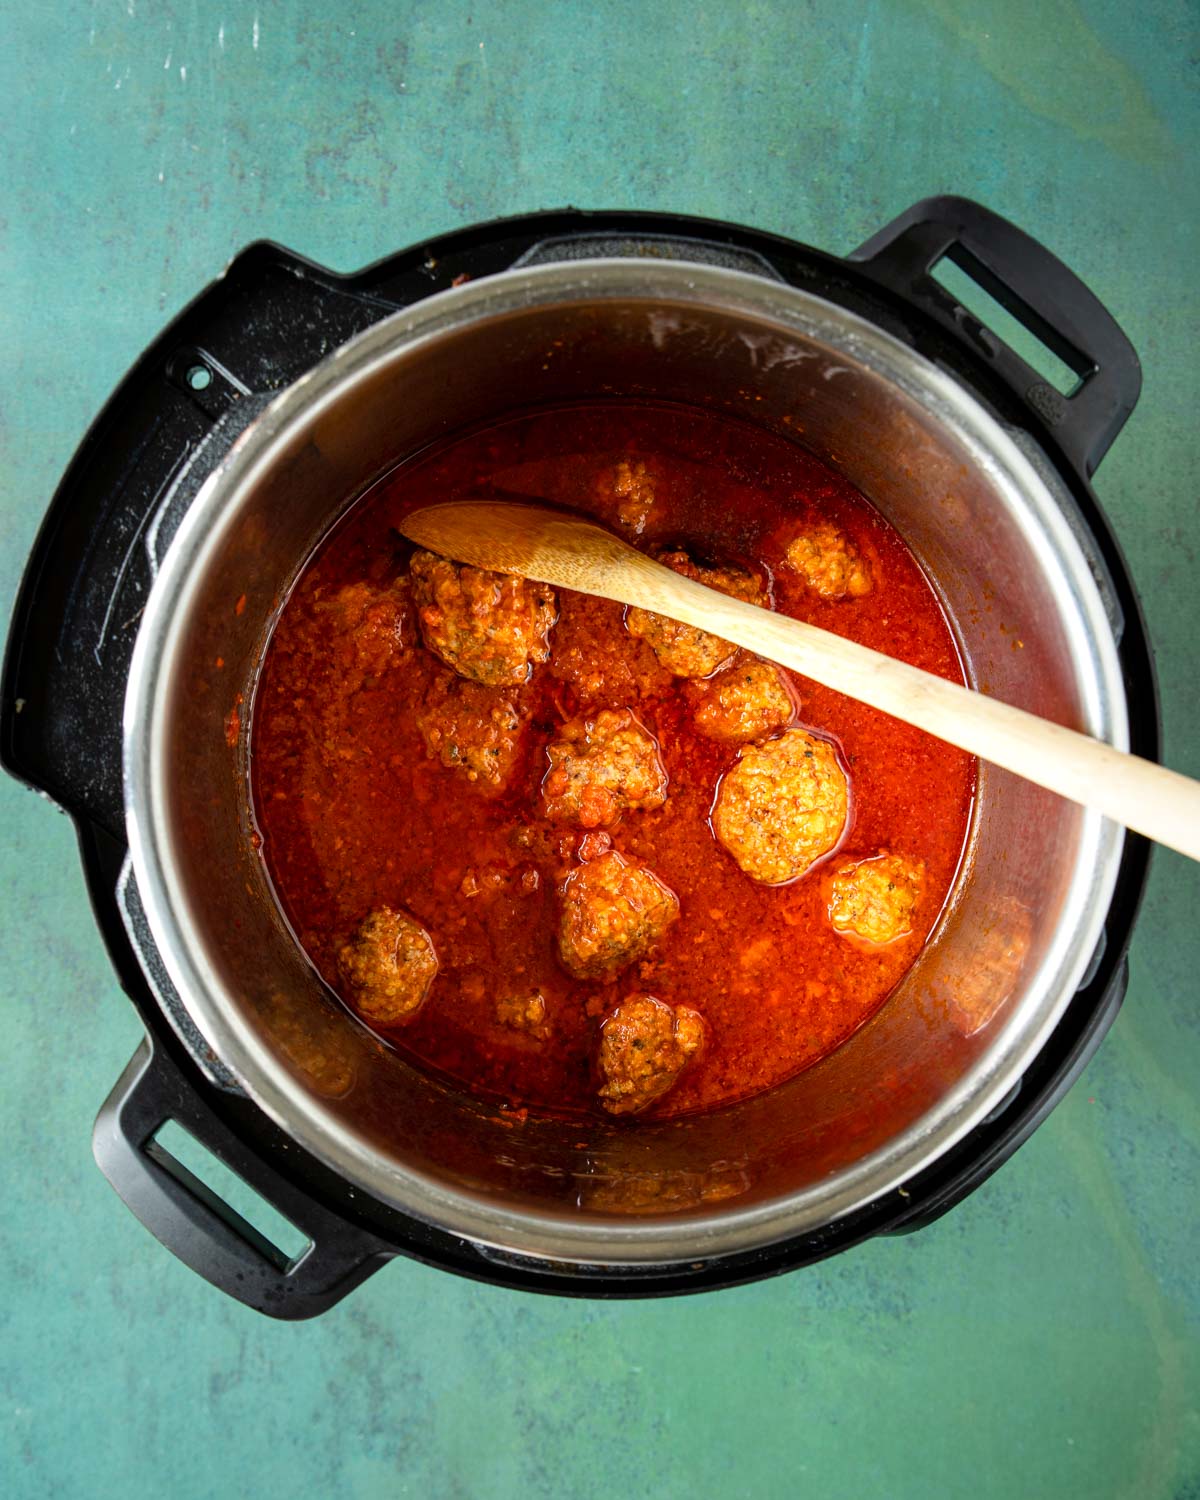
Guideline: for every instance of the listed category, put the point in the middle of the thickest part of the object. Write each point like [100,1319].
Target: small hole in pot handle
[262,1226]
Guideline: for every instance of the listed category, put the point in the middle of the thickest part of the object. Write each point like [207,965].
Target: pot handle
[198,1226]
[1040,292]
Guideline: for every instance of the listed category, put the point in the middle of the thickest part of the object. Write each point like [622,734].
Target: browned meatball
[368,621]
[602,765]
[488,626]
[597,658]
[644,1046]
[388,966]
[683,649]
[613,911]
[829,562]
[874,898]
[627,492]
[472,729]
[782,806]
[745,702]
[525,1013]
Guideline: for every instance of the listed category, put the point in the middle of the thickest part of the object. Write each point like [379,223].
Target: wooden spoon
[556,548]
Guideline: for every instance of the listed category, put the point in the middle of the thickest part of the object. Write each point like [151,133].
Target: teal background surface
[1040,1341]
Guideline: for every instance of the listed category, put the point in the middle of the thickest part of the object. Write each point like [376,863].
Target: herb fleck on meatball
[744,702]
[602,765]
[490,627]
[644,1046]
[388,966]
[613,911]
[683,649]
[829,562]
[874,899]
[782,806]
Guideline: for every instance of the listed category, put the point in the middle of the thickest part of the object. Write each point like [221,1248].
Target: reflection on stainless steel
[985,964]
[990,958]
[320,1054]
[664,1192]
[1030,621]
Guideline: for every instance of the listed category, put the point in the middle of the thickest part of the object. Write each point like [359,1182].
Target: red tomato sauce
[356,811]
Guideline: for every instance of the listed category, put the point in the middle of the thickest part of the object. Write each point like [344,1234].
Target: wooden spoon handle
[568,553]
[1148,798]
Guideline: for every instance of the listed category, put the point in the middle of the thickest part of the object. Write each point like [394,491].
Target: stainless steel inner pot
[977,507]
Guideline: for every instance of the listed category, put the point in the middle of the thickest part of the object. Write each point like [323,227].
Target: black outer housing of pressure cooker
[270,318]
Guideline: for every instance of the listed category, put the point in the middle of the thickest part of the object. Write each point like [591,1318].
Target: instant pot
[283,392]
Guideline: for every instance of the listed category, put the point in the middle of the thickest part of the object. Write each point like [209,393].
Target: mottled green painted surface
[1042,1341]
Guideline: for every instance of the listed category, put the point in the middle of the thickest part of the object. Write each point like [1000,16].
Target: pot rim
[594,1240]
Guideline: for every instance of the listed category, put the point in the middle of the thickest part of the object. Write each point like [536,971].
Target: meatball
[874,899]
[644,1046]
[830,564]
[489,627]
[745,702]
[627,490]
[782,806]
[472,729]
[613,911]
[602,765]
[597,658]
[525,1013]
[683,649]
[368,622]
[388,966]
